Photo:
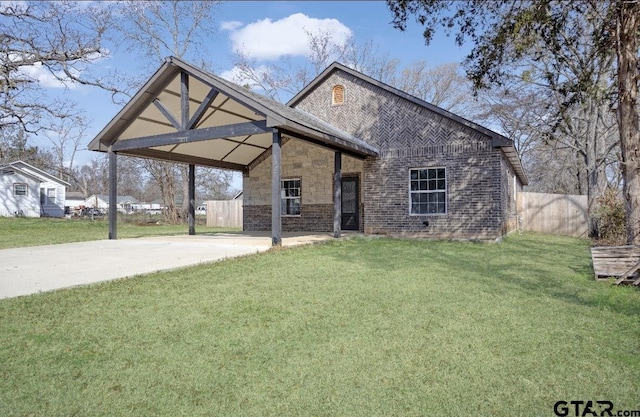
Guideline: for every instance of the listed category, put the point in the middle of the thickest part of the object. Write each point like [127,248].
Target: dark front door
[350,204]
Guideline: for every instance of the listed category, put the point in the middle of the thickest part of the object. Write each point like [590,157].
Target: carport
[186,115]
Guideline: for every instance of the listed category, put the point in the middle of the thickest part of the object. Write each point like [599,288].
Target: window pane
[295,206]
[290,197]
[20,189]
[427,189]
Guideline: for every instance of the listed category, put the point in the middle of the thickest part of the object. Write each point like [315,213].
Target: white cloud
[45,78]
[267,39]
[240,77]
[231,25]
[36,71]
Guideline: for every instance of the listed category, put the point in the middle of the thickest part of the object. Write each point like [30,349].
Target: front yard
[359,327]
[26,231]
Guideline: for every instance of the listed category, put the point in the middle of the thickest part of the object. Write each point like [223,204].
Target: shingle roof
[233,105]
[499,141]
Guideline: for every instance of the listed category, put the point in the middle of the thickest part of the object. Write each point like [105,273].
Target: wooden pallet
[620,262]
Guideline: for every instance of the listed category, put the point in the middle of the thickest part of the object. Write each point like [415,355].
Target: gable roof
[33,172]
[74,195]
[120,199]
[499,141]
[227,126]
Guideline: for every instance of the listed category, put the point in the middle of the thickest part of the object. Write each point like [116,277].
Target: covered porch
[186,115]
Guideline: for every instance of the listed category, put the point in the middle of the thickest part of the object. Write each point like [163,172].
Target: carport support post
[337,194]
[276,220]
[192,199]
[113,195]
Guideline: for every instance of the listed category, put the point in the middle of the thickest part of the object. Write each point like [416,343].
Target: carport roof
[185,114]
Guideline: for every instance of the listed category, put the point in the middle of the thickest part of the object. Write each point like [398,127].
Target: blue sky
[269,29]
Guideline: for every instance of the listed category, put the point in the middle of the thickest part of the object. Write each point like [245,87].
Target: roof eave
[512,156]
[134,107]
[36,173]
[333,141]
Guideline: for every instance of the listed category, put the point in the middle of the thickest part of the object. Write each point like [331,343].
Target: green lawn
[25,231]
[357,327]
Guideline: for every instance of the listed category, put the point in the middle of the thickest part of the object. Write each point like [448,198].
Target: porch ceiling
[187,115]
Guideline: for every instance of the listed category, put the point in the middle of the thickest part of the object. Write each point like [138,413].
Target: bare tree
[66,137]
[93,177]
[442,86]
[154,30]
[14,146]
[46,43]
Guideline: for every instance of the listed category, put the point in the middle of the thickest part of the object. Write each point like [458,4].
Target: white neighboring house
[73,201]
[28,191]
[124,203]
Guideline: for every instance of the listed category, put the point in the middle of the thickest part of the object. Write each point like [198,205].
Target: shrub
[610,219]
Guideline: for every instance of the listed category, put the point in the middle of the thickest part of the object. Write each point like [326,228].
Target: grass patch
[360,327]
[29,231]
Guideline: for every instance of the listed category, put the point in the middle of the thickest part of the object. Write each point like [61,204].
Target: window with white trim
[290,197]
[19,189]
[427,191]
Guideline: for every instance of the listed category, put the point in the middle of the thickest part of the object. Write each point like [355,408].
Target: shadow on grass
[531,266]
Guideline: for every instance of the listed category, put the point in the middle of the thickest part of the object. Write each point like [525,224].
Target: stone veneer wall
[314,166]
[412,136]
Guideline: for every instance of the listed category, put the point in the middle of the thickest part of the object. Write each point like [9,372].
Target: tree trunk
[164,176]
[627,55]
[184,174]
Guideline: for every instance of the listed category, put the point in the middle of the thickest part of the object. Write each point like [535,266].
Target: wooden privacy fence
[224,213]
[559,214]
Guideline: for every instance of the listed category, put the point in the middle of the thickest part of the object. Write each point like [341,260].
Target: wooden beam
[113,195]
[195,119]
[184,100]
[192,199]
[185,159]
[355,151]
[276,218]
[197,135]
[166,113]
[337,194]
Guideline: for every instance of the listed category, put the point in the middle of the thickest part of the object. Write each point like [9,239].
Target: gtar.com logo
[600,408]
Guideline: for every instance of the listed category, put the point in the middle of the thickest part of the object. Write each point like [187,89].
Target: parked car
[92,212]
[201,210]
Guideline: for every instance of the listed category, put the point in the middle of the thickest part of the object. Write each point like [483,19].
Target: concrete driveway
[36,269]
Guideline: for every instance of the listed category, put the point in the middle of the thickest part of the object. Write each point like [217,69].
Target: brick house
[436,174]
[346,153]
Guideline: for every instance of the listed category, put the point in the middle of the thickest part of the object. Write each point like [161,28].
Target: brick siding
[313,218]
[408,136]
